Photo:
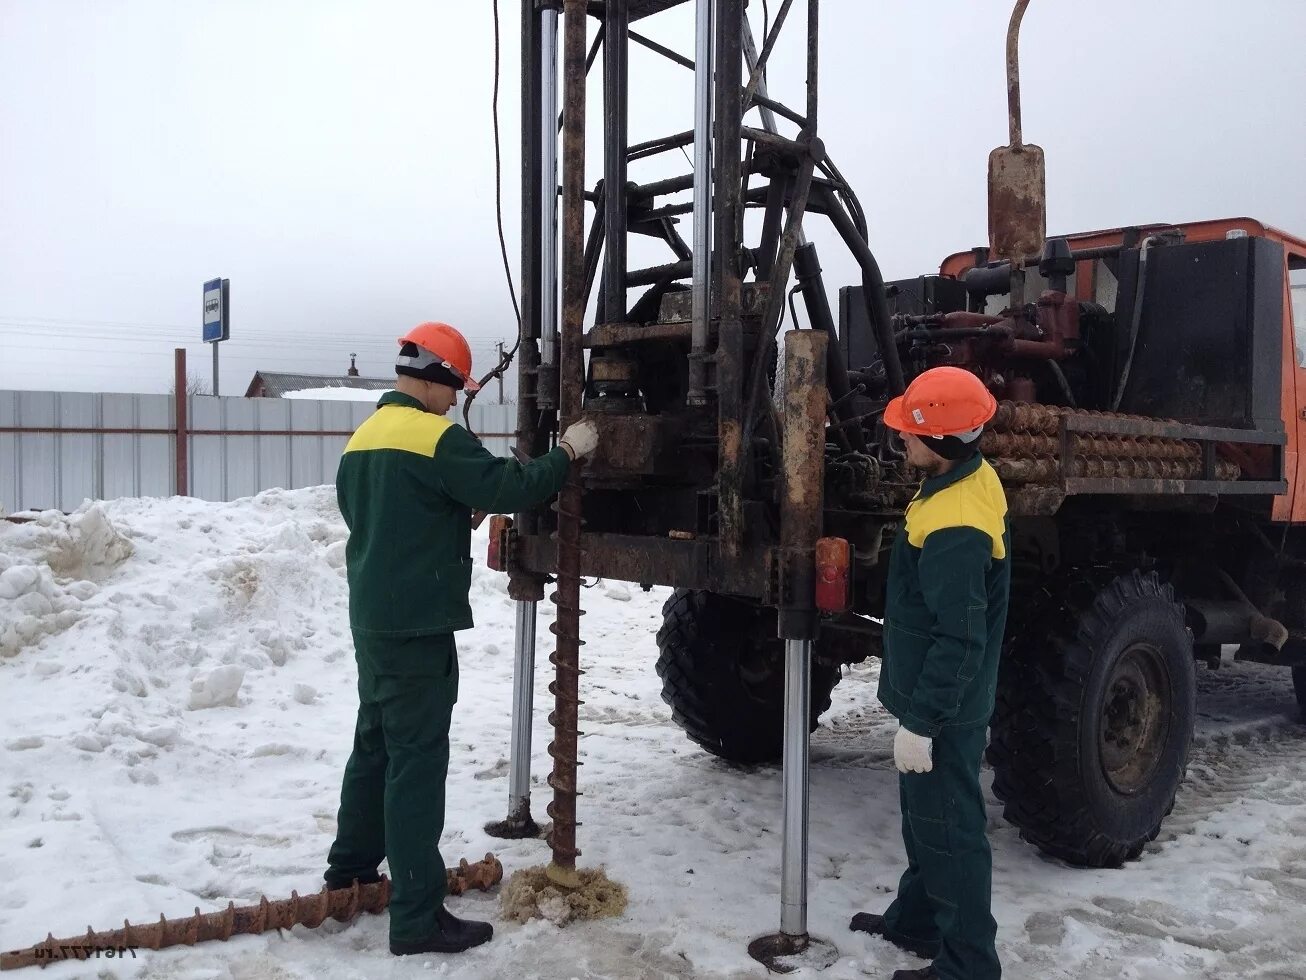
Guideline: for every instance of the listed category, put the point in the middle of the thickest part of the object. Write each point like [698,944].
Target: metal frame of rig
[711,476]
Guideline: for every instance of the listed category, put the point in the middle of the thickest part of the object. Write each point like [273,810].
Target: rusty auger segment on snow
[297,910]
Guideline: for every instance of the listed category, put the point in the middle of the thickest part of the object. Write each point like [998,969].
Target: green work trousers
[392,799]
[944,897]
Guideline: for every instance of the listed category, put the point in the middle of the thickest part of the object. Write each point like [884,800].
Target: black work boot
[924,973]
[452,935]
[335,882]
[872,924]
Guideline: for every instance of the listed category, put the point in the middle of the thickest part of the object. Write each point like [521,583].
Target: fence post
[182,437]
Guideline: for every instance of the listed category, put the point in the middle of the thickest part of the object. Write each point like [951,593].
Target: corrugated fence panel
[240,453]
[123,445]
[78,452]
[273,450]
[157,469]
[491,422]
[9,472]
[120,456]
[207,462]
[307,456]
[38,457]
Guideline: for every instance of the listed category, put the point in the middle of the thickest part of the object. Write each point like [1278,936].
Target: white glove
[580,439]
[912,752]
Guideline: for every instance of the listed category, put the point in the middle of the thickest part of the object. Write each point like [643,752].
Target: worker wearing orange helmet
[944,616]
[407,485]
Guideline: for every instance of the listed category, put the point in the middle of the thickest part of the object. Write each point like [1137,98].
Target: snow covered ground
[137,778]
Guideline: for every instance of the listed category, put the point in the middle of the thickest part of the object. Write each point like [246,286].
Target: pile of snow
[336,394]
[178,705]
[49,567]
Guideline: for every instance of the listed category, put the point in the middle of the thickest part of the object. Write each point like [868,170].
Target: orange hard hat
[942,401]
[445,347]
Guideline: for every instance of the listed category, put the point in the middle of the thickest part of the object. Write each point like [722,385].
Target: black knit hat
[955,448]
[418,362]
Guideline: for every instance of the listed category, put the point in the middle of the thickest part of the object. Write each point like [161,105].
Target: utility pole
[499,347]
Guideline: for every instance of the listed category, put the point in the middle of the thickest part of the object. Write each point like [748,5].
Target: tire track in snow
[1265,764]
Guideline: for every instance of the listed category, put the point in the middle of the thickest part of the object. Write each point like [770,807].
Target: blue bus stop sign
[217,323]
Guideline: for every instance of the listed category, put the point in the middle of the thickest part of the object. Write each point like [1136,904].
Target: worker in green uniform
[944,615]
[408,484]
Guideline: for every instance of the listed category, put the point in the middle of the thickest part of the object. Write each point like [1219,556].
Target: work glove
[912,752]
[580,439]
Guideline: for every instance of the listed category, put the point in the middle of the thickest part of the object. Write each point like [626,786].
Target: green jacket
[407,485]
[946,606]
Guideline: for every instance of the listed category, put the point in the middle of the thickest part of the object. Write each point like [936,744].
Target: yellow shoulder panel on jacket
[977,501]
[408,430]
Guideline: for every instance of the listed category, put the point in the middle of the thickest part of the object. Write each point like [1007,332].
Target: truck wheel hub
[1135,719]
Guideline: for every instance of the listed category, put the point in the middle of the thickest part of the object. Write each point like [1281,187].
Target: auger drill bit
[566,657]
[245,920]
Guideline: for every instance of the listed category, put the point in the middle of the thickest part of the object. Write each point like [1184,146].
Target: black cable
[793,313]
[498,176]
[505,360]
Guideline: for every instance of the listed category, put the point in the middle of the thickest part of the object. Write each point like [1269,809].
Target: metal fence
[60,448]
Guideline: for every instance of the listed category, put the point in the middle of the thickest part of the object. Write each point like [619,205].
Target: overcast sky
[334,159]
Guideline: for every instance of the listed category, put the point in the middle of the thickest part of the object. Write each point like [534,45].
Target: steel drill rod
[548,189]
[701,284]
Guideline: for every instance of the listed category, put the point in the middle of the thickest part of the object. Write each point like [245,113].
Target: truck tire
[1294,617]
[722,671]
[1094,718]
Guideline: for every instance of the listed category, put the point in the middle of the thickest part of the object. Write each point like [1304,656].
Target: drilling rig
[1152,396]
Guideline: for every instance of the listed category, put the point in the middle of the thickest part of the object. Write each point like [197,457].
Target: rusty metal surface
[1017,201]
[1048,469]
[299,910]
[623,334]
[1017,172]
[1186,488]
[1016,416]
[732,438]
[679,562]
[1048,420]
[481,875]
[1129,447]
[635,445]
[759,391]
[677,308]
[803,478]
[182,478]
[1034,501]
[768,45]
[613,368]
[1135,425]
[565,686]
[1027,470]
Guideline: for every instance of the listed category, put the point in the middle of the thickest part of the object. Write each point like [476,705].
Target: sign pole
[217,318]
[500,350]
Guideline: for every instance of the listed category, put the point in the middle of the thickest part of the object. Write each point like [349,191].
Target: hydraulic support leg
[793,860]
[519,822]
[803,473]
